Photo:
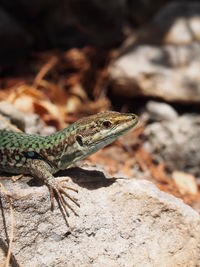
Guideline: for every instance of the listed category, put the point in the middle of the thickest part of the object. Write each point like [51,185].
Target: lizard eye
[79,140]
[107,124]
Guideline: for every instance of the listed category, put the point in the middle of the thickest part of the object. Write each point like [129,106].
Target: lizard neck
[65,149]
[71,150]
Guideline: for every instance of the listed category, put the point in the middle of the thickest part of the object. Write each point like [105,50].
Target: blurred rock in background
[162,59]
[176,142]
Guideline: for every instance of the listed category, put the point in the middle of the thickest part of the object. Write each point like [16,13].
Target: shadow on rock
[90,179]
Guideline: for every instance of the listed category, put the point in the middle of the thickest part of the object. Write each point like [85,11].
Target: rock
[181,20]
[125,223]
[168,72]
[176,142]
[176,23]
[29,123]
[161,111]
[186,183]
[163,60]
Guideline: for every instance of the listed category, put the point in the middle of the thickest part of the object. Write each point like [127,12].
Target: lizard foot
[57,191]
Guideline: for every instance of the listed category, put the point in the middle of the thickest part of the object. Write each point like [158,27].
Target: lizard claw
[56,191]
[67,187]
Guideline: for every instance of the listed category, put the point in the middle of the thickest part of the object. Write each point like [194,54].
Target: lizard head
[103,128]
[94,132]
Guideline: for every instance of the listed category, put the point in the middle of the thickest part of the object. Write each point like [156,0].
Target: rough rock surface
[177,142]
[121,223]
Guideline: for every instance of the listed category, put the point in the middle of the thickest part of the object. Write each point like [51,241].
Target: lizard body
[41,156]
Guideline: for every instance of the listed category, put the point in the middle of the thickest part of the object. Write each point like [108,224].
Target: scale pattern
[63,148]
[17,148]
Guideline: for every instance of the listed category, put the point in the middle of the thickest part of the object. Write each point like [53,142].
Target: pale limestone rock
[125,223]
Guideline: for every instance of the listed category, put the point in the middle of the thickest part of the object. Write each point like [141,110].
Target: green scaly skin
[41,157]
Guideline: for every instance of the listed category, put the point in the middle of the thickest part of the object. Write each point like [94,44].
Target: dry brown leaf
[79,91]
[92,107]
[76,59]
[45,69]
[55,93]
[73,104]
[25,90]
[46,107]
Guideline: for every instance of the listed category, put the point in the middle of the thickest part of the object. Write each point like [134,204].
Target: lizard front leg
[41,170]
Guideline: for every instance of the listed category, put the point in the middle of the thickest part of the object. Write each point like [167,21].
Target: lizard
[43,156]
